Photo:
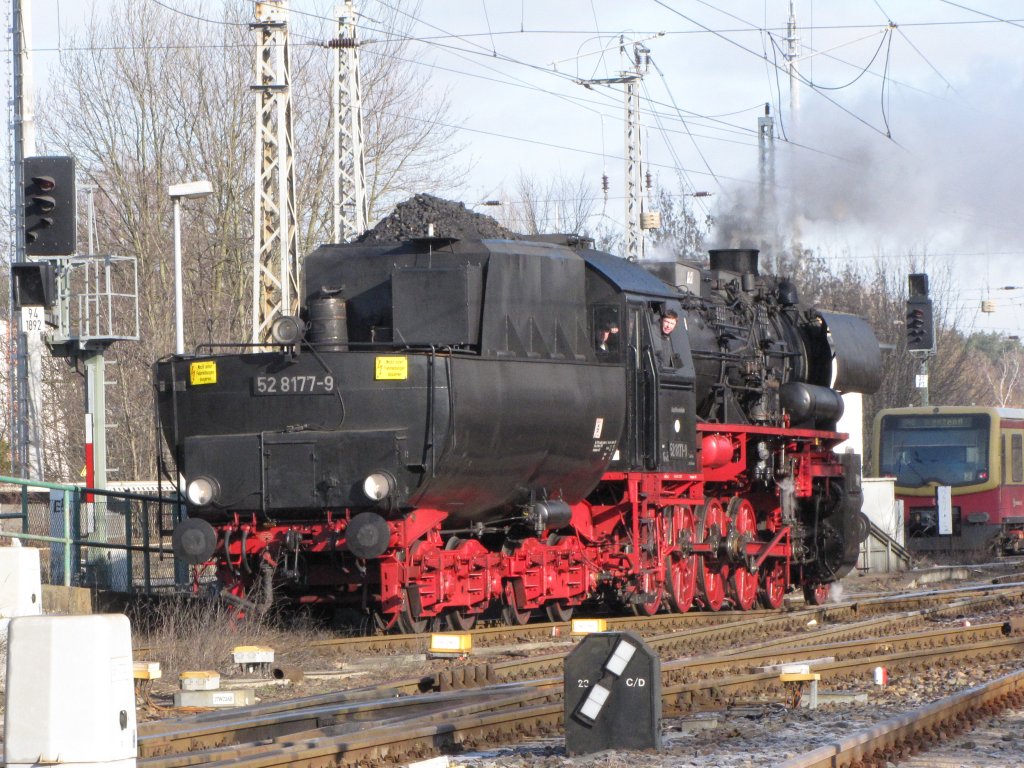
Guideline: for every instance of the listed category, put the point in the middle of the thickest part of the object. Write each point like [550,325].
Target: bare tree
[1005,379]
[681,234]
[145,97]
[561,205]
[1001,358]
[567,205]
[140,112]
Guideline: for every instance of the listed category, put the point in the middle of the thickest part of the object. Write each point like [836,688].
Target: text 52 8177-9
[293,384]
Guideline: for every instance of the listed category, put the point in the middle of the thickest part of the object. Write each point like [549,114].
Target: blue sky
[908,137]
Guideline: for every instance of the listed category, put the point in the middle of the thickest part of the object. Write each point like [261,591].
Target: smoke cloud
[949,179]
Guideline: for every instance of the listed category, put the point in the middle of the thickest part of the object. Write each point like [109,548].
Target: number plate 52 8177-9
[292,384]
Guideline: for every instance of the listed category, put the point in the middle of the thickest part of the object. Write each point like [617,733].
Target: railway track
[521,698]
[503,635]
[678,635]
[922,730]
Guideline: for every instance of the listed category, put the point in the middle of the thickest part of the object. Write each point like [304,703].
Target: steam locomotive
[460,427]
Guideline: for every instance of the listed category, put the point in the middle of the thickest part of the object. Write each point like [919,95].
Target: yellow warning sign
[391,369]
[202,372]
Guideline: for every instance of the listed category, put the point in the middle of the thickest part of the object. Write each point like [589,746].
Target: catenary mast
[276,264]
[349,162]
[630,80]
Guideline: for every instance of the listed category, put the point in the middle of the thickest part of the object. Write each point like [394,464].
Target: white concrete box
[200,680]
[881,508]
[70,697]
[21,590]
[253,654]
[236,697]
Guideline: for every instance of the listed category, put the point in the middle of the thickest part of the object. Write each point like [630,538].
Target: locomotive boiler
[462,426]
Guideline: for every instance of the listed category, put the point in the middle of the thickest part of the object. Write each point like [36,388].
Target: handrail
[67,539]
[87,490]
[898,549]
[38,483]
[72,507]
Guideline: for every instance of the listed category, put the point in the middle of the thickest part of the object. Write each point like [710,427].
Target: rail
[916,729]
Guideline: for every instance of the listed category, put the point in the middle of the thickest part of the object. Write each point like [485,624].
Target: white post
[191,190]
[90,190]
[179,325]
[27,385]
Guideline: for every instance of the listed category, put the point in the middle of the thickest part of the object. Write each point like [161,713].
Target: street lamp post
[190,190]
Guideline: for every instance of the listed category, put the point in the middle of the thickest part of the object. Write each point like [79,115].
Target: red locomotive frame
[670,541]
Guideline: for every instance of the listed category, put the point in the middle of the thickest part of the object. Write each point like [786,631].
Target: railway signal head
[50,206]
[918,284]
[920,326]
[34,284]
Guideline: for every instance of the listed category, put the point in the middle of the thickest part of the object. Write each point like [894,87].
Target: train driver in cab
[665,351]
[607,340]
[669,320]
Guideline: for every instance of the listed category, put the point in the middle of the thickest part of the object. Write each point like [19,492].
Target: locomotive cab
[658,372]
[660,383]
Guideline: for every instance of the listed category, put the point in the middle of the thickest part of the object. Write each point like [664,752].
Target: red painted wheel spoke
[711,575]
[681,570]
[743,583]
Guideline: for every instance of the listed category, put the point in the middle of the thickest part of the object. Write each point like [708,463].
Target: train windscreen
[943,448]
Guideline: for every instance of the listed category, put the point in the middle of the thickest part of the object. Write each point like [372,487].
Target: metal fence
[107,539]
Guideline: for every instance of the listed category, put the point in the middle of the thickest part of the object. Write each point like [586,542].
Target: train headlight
[202,491]
[378,486]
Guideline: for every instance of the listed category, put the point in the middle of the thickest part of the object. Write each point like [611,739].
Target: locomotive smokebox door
[612,694]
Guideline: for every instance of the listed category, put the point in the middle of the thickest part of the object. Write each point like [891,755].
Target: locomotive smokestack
[740,260]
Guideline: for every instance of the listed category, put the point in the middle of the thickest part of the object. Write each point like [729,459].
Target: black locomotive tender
[453,426]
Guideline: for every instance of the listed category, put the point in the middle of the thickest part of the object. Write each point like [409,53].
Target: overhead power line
[193,16]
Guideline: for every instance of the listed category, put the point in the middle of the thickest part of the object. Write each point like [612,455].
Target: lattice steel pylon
[349,161]
[634,240]
[792,54]
[634,151]
[276,263]
[631,81]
